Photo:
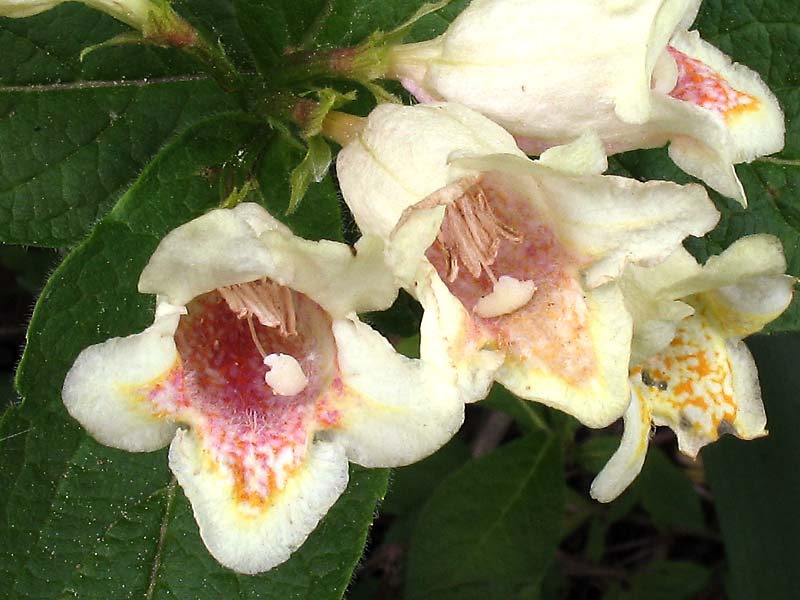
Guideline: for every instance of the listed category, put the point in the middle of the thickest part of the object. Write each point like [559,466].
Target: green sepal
[128,38]
[312,168]
[329,99]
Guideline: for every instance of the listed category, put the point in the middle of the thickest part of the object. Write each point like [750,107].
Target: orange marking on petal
[702,86]
[689,385]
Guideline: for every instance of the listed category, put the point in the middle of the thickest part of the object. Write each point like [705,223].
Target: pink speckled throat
[701,85]
[553,326]
[218,388]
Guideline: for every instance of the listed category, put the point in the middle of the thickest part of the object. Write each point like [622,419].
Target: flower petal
[16,9]
[449,339]
[626,463]
[578,358]
[395,410]
[246,243]
[746,308]
[584,156]
[381,174]
[223,241]
[744,287]
[756,126]
[656,313]
[701,386]
[608,221]
[750,256]
[110,387]
[514,60]
[253,537]
[340,279]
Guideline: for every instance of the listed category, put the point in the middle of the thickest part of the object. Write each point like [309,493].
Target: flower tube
[514,261]
[550,70]
[694,374]
[262,380]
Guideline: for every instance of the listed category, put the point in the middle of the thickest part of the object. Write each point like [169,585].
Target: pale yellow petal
[394,410]
[626,463]
[111,388]
[254,535]
[701,386]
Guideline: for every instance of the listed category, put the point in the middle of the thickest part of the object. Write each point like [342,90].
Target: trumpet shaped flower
[701,382]
[262,380]
[550,70]
[514,261]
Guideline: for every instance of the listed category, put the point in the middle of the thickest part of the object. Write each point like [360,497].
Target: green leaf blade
[491,528]
[77,150]
[756,484]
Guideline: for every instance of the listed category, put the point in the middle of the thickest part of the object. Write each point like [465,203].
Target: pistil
[272,304]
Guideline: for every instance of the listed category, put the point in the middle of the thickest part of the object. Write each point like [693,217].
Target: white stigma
[508,295]
[285,377]
[665,73]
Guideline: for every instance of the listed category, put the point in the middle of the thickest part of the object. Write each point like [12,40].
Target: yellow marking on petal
[689,385]
[157,397]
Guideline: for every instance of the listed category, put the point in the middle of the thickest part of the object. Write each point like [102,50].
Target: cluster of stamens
[471,234]
[269,302]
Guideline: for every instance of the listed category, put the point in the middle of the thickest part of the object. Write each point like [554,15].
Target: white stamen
[285,377]
[508,295]
[271,303]
[471,234]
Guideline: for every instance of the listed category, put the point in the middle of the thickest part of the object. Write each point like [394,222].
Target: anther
[471,234]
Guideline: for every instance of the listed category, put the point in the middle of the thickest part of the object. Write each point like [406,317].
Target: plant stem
[217,64]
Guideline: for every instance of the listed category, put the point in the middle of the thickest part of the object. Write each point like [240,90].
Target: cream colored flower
[550,70]
[262,380]
[514,261]
[693,373]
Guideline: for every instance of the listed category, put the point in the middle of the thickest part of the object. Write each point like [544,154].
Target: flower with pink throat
[514,261]
[261,378]
[550,70]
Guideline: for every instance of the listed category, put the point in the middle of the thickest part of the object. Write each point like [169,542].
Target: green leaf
[530,416]
[319,215]
[221,22]
[756,484]
[491,528]
[273,27]
[667,494]
[45,49]
[411,487]
[78,148]
[666,580]
[663,488]
[81,520]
